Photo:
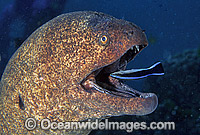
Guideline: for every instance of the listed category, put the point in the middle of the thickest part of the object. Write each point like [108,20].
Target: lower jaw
[133,103]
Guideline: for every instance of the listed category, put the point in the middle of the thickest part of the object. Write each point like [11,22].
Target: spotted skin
[46,71]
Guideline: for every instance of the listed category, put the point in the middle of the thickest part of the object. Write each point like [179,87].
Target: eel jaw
[101,80]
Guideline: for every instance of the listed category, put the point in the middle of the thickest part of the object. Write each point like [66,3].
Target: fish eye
[104,40]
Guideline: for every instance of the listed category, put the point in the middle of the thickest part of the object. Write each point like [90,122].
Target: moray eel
[62,72]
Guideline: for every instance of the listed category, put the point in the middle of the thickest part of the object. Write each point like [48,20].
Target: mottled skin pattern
[47,69]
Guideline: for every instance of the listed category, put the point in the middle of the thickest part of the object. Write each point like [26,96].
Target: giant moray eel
[61,72]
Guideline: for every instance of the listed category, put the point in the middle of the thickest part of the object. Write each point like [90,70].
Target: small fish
[133,74]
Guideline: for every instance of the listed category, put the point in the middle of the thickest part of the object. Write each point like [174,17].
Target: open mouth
[101,80]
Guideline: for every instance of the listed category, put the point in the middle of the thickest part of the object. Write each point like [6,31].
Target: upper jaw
[129,55]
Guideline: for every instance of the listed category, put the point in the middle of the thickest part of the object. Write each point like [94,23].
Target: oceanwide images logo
[46,124]
[30,124]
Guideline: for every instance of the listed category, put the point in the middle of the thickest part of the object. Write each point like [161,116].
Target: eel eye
[104,40]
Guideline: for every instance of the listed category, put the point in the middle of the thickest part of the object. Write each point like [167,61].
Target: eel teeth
[135,49]
[132,48]
[138,48]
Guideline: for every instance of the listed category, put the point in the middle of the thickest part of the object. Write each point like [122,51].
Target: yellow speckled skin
[47,69]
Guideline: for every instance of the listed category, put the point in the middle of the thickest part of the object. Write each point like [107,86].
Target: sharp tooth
[125,64]
[137,47]
[135,50]
[131,48]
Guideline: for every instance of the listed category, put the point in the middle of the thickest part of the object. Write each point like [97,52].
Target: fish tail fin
[157,69]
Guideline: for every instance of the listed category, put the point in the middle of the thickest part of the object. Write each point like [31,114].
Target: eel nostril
[129,33]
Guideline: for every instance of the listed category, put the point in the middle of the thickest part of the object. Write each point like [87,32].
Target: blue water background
[171,26]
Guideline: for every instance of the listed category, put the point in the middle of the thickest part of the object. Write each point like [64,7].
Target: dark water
[173,31]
